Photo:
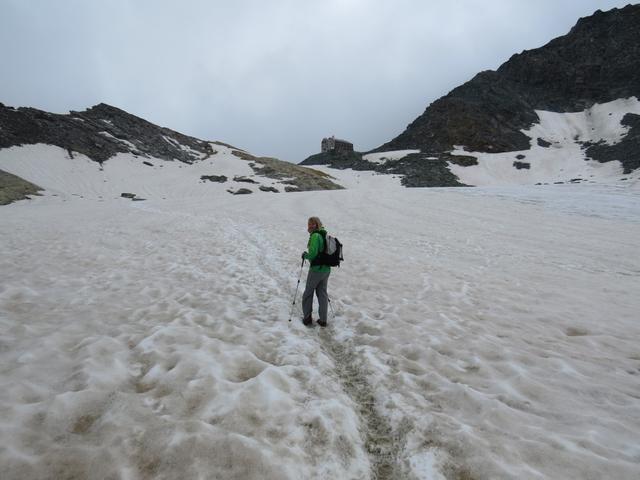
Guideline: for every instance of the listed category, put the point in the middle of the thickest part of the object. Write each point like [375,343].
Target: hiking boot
[307,321]
[322,323]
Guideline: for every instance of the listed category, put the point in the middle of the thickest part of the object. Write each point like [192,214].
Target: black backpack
[331,255]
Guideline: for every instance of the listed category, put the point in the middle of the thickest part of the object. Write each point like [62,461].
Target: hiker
[318,276]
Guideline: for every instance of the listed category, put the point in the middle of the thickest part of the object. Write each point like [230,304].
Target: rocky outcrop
[214,178]
[416,169]
[243,179]
[240,191]
[339,160]
[424,170]
[298,179]
[522,165]
[13,188]
[99,133]
[483,115]
[627,151]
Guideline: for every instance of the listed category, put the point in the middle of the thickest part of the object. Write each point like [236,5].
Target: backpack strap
[319,260]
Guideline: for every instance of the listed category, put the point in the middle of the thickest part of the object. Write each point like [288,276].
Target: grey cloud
[272,77]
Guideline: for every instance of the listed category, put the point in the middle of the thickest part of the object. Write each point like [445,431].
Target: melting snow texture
[564,159]
[478,333]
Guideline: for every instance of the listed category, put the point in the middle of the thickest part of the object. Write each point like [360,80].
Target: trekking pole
[333,312]
[296,293]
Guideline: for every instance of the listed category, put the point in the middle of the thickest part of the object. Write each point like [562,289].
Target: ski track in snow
[479,333]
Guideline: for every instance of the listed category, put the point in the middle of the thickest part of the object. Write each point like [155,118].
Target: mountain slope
[81,153]
[99,133]
[595,64]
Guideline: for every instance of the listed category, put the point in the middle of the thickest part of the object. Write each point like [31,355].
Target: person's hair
[316,221]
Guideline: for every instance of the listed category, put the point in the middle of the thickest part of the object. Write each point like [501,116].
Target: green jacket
[315,245]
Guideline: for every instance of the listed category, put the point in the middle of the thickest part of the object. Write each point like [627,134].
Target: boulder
[243,179]
[521,165]
[214,178]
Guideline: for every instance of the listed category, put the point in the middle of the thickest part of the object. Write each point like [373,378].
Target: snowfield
[564,160]
[479,333]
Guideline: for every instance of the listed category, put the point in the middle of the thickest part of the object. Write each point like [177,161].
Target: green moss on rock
[299,178]
[13,188]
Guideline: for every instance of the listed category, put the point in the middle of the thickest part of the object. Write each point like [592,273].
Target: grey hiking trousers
[316,282]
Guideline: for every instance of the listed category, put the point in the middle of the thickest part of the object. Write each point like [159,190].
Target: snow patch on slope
[52,168]
[127,143]
[564,160]
[598,123]
[185,148]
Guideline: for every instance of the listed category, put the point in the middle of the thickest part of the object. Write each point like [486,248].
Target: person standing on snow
[318,276]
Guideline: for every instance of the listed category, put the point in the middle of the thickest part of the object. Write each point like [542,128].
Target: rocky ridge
[99,132]
[103,131]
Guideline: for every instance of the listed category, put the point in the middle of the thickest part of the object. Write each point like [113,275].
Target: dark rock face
[597,61]
[462,160]
[269,189]
[99,133]
[484,114]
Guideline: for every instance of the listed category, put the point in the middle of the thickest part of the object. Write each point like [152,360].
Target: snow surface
[50,167]
[478,333]
[565,159]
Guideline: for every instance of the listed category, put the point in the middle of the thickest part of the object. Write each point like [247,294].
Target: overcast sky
[270,76]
